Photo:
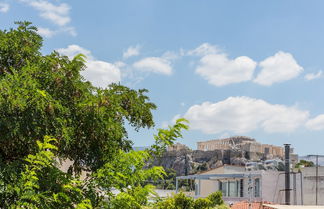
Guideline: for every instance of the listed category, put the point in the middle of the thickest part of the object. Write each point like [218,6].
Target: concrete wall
[273,188]
[309,184]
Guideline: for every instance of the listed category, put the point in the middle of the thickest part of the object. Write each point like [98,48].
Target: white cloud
[73,50]
[132,51]
[278,68]
[204,49]
[99,73]
[312,76]
[243,114]
[46,32]
[69,30]
[155,65]
[170,55]
[57,14]
[316,123]
[218,70]
[4,7]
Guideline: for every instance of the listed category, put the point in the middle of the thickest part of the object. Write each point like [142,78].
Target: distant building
[177,147]
[238,185]
[241,143]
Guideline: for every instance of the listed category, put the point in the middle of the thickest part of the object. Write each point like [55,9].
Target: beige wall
[210,186]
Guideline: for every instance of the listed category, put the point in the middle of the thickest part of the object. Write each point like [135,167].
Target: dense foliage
[49,114]
[46,95]
[181,201]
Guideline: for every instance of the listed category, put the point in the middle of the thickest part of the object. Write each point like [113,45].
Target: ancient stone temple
[241,143]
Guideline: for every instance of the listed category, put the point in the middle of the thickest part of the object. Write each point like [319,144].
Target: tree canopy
[48,111]
[46,95]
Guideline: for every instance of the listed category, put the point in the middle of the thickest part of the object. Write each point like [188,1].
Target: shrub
[202,203]
[181,201]
[177,201]
[222,207]
[216,198]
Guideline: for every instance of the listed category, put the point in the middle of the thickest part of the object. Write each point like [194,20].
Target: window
[266,150]
[231,188]
[223,188]
[256,187]
[197,190]
[241,188]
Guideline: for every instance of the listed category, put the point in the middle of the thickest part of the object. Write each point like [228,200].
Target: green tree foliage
[202,203]
[304,163]
[216,198]
[42,185]
[46,95]
[181,201]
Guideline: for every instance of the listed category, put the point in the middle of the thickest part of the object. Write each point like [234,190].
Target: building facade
[241,143]
[237,184]
[177,147]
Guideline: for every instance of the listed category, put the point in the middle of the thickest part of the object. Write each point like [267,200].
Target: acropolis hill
[214,153]
[241,143]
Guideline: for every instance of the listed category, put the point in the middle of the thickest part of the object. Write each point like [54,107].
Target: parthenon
[241,143]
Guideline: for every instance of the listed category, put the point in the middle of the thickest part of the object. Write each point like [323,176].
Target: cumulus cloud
[243,114]
[46,32]
[204,49]
[219,70]
[73,50]
[132,51]
[99,73]
[278,68]
[155,65]
[316,123]
[312,76]
[4,7]
[57,14]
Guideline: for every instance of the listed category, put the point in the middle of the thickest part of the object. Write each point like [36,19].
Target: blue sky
[249,68]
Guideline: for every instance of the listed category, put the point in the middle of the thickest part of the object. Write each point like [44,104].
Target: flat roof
[218,176]
[294,206]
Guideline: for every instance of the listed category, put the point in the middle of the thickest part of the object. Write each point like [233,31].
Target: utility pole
[287,174]
[316,179]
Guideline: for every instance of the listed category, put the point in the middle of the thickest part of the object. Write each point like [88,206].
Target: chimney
[287,174]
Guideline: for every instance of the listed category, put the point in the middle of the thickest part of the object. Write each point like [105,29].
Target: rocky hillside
[186,162]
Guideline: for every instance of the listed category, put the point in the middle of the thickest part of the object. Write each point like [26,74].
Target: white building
[237,185]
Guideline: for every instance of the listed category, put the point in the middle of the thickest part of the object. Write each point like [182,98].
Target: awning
[294,206]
